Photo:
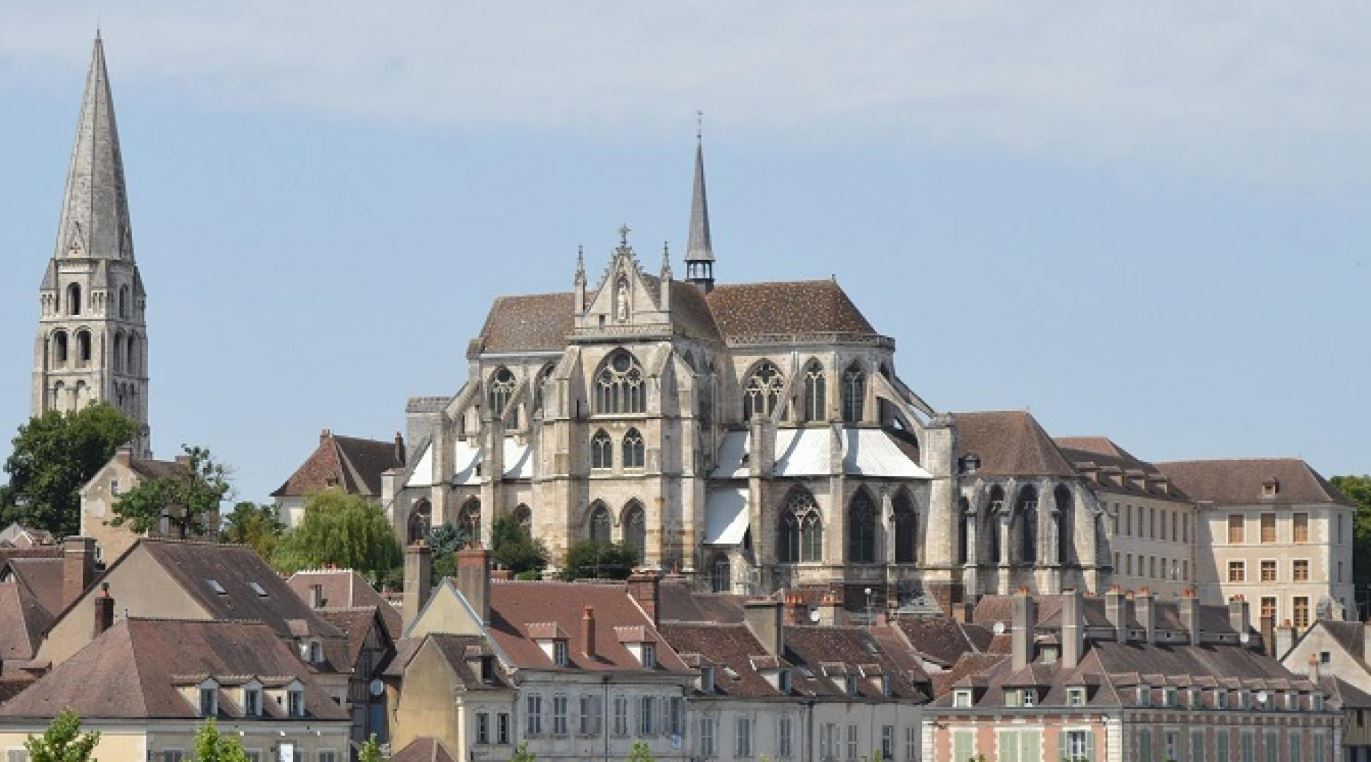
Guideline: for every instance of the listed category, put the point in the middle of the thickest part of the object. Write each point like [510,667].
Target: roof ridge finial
[666,260]
[624,230]
[699,126]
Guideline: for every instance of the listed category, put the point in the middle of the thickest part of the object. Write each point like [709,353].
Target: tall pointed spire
[699,250]
[95,211]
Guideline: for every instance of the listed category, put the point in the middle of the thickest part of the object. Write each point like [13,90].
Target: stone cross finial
[624,230]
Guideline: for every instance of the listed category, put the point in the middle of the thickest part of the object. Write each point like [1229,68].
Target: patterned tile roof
[785,307]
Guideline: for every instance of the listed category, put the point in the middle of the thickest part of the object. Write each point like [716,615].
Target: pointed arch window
[601,451]
[419,518]
[123,301]
[861,529]
[619,386]
[118,354]
[1066,520]
[131,363]
[963,535]
[633,449]
[854,393]
[801,529]
[816,397]
[635,529]
[721,574]
[762,391]
[523,516]
[1026,522]
[992,524]
[501,390]
[906,529]
[74,299]
[600,523]
[469,520]
[539,383]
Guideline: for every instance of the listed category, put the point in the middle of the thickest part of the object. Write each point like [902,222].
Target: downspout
[604,714]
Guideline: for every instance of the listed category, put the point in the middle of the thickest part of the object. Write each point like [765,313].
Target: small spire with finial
[624,230]
[580,263]
[666,260]
[699,126]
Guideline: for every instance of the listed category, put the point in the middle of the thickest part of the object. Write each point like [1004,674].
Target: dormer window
[706,679]
[295,702]
[783,681]
[1075,696]
[969,464]
[1317,702]
[1030,697]
[1144,695]
[1220,699]
[252,701]
[1242,699]
[1271,487]
[209,700]
[851,685]
[885,686]
[559,653]
[649,656]
[1168,696]
[961,698]
[312,651]
[1048,654]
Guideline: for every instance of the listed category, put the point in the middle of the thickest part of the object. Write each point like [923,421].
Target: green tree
[369,751]
[522,754]
[63,741]
[210,746]
[641,752]
[257,525]
[343,530]
[1358,490]
[594,558]
[54,456]
[444,541]
[186,500]
[512,547]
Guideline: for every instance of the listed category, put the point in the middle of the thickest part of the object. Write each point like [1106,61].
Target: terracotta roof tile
[424,749]
[789,307]
[345,589]
[723,645]
[1009,443]
[351,464]
[527,323]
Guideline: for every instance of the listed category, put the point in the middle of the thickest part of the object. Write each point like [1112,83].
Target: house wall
[1145,551]
[137,741]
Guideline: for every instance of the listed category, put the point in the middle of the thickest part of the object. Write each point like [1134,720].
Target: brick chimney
[796,612]
[418,581]
[123,455]
[1024,620]
[1190,615]
[1145,605]
[588,631]
[104,611]
[78,567]
[830,610]
[1073,628]
[325,435]
[399,448]
[763,620]
[473,579]
[1116,610]
[1237,616]
[645,588]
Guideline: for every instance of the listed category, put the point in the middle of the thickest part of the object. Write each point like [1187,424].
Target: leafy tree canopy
[63,741]
[187,501]
[341,530]
[605,560]
[640,752]
[522,754]
[512,547]
[1358,489]
[445,540]
[210,746]
[257,525]
[54,456]
[369,751]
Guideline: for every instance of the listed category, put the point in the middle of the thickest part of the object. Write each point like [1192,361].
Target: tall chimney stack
[104,610]
[399,448]
[1237,616]
[1116,611]
[588,631]
[645,588]
[473,579]
[1025,619]
[418,581]
[78,567]
[763,620]
[1190,615]
[1073,628]
[1145,605]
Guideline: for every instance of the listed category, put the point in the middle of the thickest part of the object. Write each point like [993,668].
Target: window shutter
[1062,748]
[1090,745]
[1031,746]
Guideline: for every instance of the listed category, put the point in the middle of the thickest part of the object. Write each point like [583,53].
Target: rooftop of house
[351,464]
[1250,481]
[344,589]
[138,669]
[424,749]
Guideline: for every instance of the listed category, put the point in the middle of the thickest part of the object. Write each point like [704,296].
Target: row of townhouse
[172,633]
[581,670]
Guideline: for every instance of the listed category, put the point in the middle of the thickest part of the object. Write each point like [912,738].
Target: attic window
[1271,487]
[256,588]
[852,685]
[706,679]
[961,698]
[1075,696]
[559,653]
[295,702]
[969,464]
[215,586]
[783,681]
[649,656]
[885,686]
[252,702]
[209,701]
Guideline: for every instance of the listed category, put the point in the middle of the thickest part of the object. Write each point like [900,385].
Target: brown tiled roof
[234,567]
[1009,443]
[677,602]
[967,664]
[22,622]
[455,649]
[514,604]
[132,671]
[853,648]
[357,624]
[346,588]
[529,323]
[1239,481]
[723,645]
[158,469]
[1105,453]
[690,312]
[943,639]
[758,309]
[42,577]
[424,749]
[351,464]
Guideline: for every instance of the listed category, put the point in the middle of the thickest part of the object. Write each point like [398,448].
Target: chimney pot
[473,579]
[104,610]
[645,588]
[588,630]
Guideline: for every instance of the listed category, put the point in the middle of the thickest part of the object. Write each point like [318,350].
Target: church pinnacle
[92,331]
[699,251]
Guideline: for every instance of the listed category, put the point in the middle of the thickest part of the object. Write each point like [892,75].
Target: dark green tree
[1358,490]
[54,456]
[343,530]
[369,751]
[512,547]
[641,752]
[257,525]
[211,746]
[188,501]
[605,560]
[63,741]
[444,541]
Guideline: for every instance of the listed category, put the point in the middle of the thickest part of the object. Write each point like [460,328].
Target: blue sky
[1147,223]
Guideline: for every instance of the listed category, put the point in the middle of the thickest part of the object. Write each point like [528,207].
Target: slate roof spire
[699,250]
[95,212]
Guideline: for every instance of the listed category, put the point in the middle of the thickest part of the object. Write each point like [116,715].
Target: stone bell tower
[92,335]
